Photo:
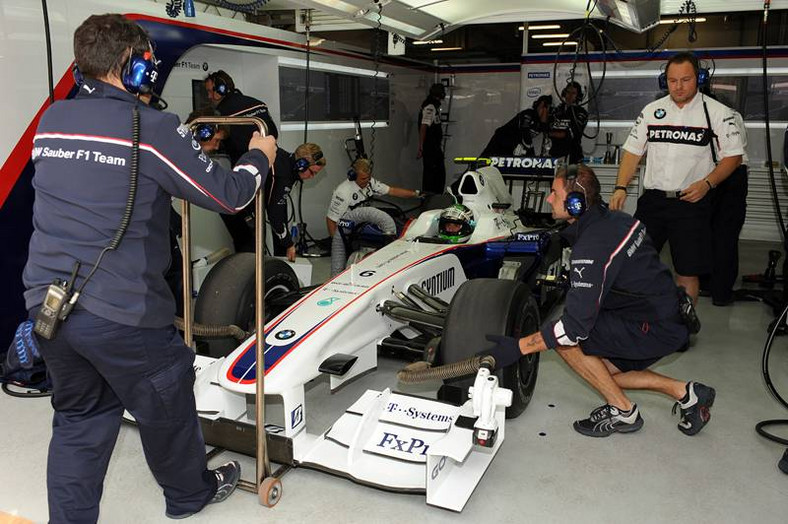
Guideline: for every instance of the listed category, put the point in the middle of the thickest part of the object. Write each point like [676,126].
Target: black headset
[703,74]
[140,72]
[302,164]
[577,86]
[219,84]
[575,203]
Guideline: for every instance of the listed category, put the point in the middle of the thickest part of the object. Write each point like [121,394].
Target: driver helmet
[456,224]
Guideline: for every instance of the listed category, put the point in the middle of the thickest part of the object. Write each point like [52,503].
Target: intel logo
[534,92]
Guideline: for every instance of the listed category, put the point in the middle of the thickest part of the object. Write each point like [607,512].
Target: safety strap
[711,131]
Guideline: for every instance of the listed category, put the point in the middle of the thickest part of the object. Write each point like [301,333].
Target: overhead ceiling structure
[422,19]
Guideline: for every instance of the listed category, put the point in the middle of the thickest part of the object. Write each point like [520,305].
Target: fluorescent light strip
[558,43]
[550,35]
[322,66]
[445,48]
[539,27]
[320,126]
[680,20]
[427,42]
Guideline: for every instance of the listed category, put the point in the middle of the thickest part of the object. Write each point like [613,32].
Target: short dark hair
[584,181]
[222,77]
[682,57]
[102,43]
[437,90]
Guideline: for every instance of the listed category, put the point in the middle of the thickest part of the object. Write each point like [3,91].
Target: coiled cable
[423,372]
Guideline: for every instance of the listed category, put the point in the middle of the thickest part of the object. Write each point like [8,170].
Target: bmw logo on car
[285,334]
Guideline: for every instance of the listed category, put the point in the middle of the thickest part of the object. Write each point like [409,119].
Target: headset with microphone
[302,164]
[140,73]
[204,132]
[703,74]
[219,83]
[575,203]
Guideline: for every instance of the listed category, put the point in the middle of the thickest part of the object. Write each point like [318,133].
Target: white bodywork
[340,317]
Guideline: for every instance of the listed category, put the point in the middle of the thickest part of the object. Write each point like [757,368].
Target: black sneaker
[695,408]
[227,477]
[606,420]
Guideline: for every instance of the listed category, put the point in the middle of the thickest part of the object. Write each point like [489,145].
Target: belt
[664,194]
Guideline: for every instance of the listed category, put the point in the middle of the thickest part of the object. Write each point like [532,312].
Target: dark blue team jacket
[614,269]
[81,154]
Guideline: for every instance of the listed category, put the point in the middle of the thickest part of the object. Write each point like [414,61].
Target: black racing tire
[227,297]
[498,307]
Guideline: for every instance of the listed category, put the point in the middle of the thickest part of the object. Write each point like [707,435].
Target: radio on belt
[58,303]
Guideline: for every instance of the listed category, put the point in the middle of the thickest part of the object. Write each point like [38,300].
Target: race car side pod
[422,372]
[397,311]
[434,302]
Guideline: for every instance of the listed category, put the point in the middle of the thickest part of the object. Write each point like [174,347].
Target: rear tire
[497,307]
[227,297]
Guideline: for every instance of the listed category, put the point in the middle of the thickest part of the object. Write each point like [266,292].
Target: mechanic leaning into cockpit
[525,134]
[289,168]
[359,187]
[118,348]
[623,313]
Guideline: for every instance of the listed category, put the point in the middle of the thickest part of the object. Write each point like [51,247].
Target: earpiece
[140,73]
[351,174]
[219,85]
[302,164]
[575,203]
[704,75]
[204,132]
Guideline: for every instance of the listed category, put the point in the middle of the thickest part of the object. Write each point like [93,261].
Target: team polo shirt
[677,141]
[348,195]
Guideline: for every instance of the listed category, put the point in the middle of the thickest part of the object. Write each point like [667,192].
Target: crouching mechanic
[357,189]
[621,313]
[289,168]
[118,348]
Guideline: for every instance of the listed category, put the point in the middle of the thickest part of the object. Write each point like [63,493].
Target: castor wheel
[270,491]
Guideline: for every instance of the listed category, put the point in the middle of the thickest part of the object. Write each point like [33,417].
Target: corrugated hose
[423,371]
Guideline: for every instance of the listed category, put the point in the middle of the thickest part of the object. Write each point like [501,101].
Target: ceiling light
[680,20]
[538,27]
[445,48]
[427,42]
[550,35]
[558,43]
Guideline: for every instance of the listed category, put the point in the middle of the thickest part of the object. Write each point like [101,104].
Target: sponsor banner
[529,166]
[415,412]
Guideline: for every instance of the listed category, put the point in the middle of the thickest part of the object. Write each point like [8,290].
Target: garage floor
[545,471]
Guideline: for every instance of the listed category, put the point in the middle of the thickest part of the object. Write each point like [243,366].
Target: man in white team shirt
[691,150]
[359,187]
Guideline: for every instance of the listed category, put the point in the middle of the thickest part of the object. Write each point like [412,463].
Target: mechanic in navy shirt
[621,313]
[118,349]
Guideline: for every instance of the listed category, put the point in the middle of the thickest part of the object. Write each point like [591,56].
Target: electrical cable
[48,37]
[375,101]
[308,24]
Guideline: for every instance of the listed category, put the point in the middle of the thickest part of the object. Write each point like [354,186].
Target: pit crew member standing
[691,150]
[118,349]
[567,123]
[621,313]
[289,168]
[355,191]
[431,141]
[229,101]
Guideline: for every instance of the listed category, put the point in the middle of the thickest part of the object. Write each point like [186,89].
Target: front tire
[496,307]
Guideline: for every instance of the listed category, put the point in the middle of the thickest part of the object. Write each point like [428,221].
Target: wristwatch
[711,186]
[622,188]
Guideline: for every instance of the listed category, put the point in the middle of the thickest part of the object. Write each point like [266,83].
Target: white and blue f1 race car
[415,295]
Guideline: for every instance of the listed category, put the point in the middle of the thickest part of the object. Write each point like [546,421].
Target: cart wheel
[270,491]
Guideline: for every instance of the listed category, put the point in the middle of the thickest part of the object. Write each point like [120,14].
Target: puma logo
[579,271]
[88,89]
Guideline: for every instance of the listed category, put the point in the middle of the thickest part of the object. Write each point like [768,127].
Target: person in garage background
[118,348]
[525,134]
[567,123]
[355,191]
[621,315]
[228,100]
[289,168]
[691,149]
[431,141]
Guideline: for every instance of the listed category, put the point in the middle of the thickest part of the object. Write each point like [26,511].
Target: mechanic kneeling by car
[622,313]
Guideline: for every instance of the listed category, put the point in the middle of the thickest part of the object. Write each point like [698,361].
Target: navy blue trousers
[98,368]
